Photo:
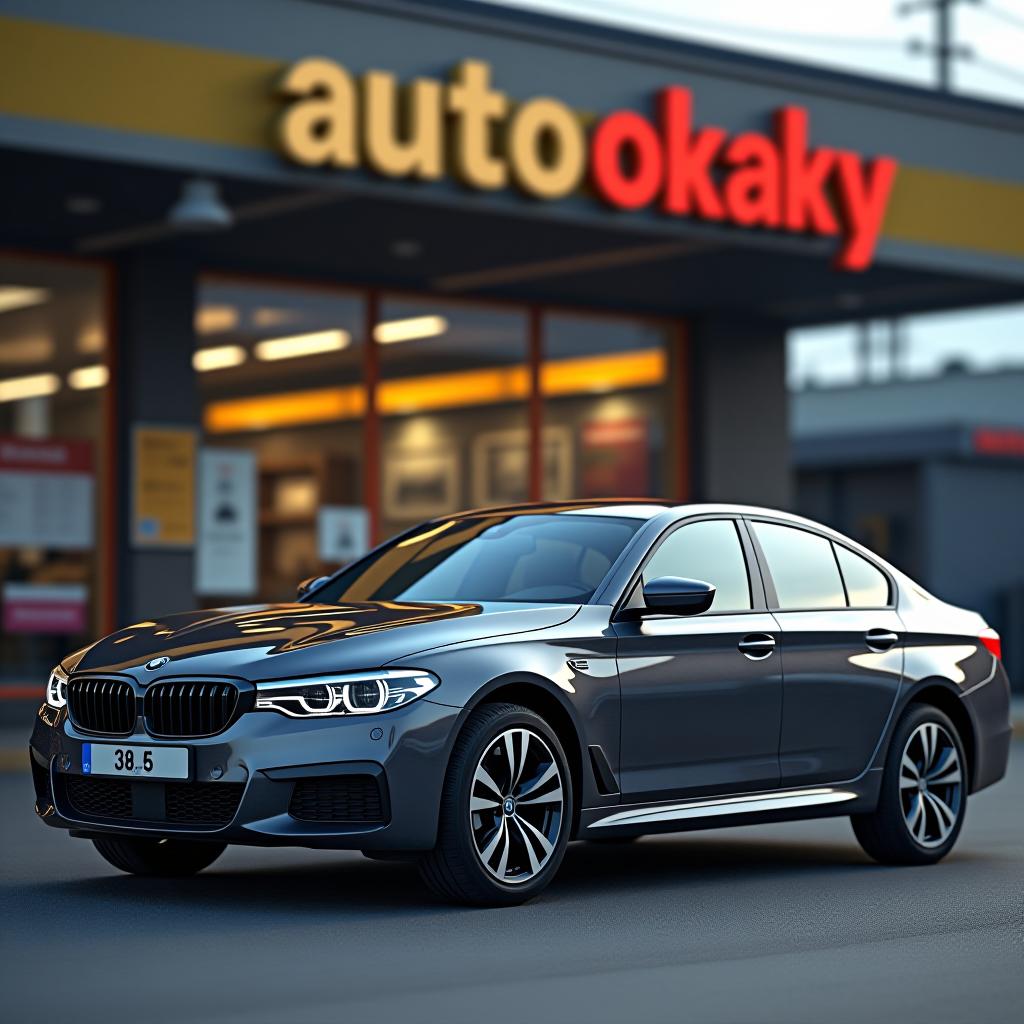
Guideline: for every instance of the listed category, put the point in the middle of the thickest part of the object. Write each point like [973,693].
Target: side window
[866,586]
[708,551]
[803,567]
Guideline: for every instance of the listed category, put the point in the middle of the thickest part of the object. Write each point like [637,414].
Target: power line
[996,68]
[662,18]
[943,49]
[1006,16]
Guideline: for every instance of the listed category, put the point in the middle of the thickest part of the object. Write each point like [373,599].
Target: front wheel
[168,858]
[924,792]
[506,810]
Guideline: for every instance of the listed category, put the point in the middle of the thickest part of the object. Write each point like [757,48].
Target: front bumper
[242,782]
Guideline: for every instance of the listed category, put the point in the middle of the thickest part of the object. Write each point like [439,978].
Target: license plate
[135,762]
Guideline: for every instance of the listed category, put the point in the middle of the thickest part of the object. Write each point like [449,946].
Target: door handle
[756,646]
[880,639]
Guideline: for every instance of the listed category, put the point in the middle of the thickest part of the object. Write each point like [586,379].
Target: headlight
[359,693]
[57,688]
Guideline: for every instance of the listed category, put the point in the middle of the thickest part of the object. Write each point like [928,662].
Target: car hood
[276,641]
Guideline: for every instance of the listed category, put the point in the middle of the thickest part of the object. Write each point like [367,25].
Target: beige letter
[320,126]
[476,107]
[546,148]
[402,128]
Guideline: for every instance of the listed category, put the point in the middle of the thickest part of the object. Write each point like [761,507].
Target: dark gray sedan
[482,689]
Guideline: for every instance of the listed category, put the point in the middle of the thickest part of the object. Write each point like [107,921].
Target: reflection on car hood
[280,640]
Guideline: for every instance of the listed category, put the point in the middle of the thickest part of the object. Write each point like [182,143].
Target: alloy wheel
[931,784]
[516,806]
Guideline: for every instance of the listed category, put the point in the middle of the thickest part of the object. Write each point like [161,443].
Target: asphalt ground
[786,923]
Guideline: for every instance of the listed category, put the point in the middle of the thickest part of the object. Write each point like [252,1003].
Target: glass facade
[53,376]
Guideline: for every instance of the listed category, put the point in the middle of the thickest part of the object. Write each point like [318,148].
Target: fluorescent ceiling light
[270,316]
[91,339]
[392,331]
[14,389]
[214,318]
[33,349]
[13,296]
[86,377]
[302,345]
[219,358]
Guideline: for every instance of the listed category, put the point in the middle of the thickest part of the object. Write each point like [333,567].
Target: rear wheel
[169,858]
[924,792]
[505,813]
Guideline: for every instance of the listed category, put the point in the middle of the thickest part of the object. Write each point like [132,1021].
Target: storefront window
[281,373]
[603,382]
[53,376]
[454,384]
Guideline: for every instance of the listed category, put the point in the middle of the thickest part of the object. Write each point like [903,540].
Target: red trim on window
[371,425]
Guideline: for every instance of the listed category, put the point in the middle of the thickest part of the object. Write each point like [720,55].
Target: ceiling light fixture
[87,377]
[391,331]
[37,385]
[215,318]
[200,207]
[13,296]
[219,358]
[297,345]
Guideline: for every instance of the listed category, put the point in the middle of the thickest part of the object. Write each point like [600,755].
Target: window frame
[758,595]
[771,595]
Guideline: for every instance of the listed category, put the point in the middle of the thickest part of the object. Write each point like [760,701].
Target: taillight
[990,638]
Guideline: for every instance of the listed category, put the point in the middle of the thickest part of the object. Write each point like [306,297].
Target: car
[484,688]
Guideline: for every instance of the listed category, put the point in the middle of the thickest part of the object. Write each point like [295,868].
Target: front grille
[190,709]
[342,798]
[102,705]
[100,798]
[202,803]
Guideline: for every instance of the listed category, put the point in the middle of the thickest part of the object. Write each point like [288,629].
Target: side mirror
[309,584]
[674,595]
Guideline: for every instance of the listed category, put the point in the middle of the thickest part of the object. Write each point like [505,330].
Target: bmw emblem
[157,663]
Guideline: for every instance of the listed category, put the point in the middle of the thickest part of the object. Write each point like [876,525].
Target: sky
[868,37]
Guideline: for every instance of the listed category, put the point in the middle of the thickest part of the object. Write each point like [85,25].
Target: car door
[842,660]
[701,694]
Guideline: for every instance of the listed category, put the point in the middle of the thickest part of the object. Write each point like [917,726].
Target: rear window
[866,586]
[802,566]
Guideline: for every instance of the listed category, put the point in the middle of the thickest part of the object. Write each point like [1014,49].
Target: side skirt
[732,810]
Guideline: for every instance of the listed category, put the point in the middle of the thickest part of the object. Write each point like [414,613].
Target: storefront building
[279,280]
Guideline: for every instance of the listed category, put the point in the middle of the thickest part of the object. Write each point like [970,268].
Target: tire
[923,797]
[165,858]
[506,848]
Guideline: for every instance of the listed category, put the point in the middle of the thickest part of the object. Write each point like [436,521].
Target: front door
[702,694]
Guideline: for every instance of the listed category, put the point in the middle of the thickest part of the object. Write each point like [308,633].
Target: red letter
[752,193]
[863,193]
[805,206]
[638,186]
[689,159]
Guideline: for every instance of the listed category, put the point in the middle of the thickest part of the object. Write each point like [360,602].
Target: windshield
[530,558]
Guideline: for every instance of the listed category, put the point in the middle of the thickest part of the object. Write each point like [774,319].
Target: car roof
[633,508]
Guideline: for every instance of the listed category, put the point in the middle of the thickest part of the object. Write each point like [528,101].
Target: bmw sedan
[482,689]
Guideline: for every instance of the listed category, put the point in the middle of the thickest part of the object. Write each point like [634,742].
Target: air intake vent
[341,798]
[102,705]
[190,709]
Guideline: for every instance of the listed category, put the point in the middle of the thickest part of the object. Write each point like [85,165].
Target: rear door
[701,694]
[842,654]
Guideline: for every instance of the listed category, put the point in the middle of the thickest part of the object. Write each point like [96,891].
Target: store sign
[1006,441]
[163,474]
[45,607]
[46,494]
[226,547]
[429,128]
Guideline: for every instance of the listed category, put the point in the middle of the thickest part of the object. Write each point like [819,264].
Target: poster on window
[46,494]
[226,548]
[163,496]
[343,533]
[615,458]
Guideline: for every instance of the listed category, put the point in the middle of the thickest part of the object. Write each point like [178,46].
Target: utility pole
[943,48]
